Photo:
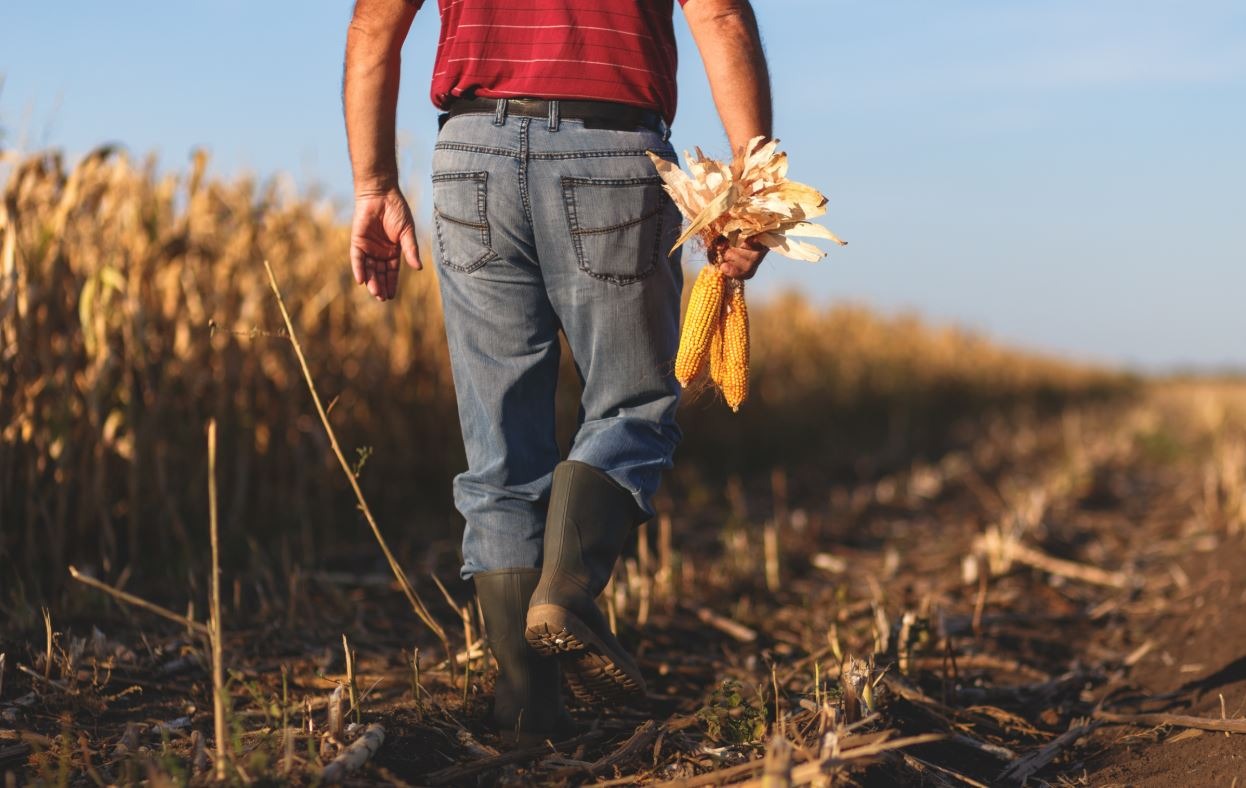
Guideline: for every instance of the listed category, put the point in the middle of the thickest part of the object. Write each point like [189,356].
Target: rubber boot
[590,516]
[527,704]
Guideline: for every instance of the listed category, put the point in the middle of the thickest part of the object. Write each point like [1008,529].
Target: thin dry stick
[351,683]
[415,683]
[922,766]
[725,625]
[50,682]
[408,590]
[1176,720]
[47,658]
[467,639]
[1021,771]
[1058,566]
[774,683]
[130,599]
[611,608]
[218,667]
[636,743]
[445,592]
[639,742]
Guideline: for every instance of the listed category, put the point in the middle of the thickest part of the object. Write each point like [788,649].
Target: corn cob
[704,312]
[734,362]
[716,353]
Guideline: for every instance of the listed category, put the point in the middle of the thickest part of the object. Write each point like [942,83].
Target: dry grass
[134,308]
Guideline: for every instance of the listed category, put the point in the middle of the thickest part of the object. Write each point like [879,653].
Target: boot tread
[592,674]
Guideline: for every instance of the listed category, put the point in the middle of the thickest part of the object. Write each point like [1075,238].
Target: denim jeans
[543,225]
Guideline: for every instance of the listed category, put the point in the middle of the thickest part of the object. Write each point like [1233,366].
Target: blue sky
[1066,175]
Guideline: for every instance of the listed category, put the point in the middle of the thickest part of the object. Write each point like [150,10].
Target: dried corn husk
[751,198]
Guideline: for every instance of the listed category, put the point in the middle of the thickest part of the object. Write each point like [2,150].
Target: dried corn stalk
[751,199]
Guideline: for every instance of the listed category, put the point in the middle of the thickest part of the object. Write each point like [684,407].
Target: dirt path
[1000,598]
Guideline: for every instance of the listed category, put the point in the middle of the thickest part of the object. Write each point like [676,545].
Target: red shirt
[605,50]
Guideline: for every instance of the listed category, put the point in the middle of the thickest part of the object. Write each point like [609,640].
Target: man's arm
[382,229]
[726,35]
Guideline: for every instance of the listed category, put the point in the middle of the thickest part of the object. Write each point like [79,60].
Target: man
[549,217]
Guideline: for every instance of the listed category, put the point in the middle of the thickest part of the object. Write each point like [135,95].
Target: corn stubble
[749,200]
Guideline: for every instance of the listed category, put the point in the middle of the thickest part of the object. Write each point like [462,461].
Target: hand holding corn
[751,199]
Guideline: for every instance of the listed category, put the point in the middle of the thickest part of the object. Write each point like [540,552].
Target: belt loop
[554,119]
[666,129]
[499,113]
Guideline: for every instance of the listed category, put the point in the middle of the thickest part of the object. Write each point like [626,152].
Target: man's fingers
[410,252]
[358,265]
[375,276]
[391,278]
[741,262]
[736,268]
[380,276]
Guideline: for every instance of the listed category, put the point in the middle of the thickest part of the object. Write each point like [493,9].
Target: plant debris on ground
[1058,603]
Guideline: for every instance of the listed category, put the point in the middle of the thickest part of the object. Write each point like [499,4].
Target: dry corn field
[914,557]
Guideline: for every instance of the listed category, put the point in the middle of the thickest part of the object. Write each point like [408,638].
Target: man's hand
[741,262]
[382,231]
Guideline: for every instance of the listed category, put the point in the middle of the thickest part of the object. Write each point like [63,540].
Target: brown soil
[763,587]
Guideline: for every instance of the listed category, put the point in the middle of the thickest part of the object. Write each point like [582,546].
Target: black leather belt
[595,114]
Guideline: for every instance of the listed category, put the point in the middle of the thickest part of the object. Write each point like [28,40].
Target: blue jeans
[544,225]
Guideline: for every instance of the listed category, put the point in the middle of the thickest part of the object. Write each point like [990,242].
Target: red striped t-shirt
[605,50]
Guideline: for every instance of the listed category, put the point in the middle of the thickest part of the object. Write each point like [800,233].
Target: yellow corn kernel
[734,383]
[704,310]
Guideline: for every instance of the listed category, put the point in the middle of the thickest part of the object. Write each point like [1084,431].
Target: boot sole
[594,675]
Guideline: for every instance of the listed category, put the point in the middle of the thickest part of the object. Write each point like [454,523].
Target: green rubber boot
[527,703]
[590,516]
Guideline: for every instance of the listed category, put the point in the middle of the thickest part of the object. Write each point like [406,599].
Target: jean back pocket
[460,201]
[616,225]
